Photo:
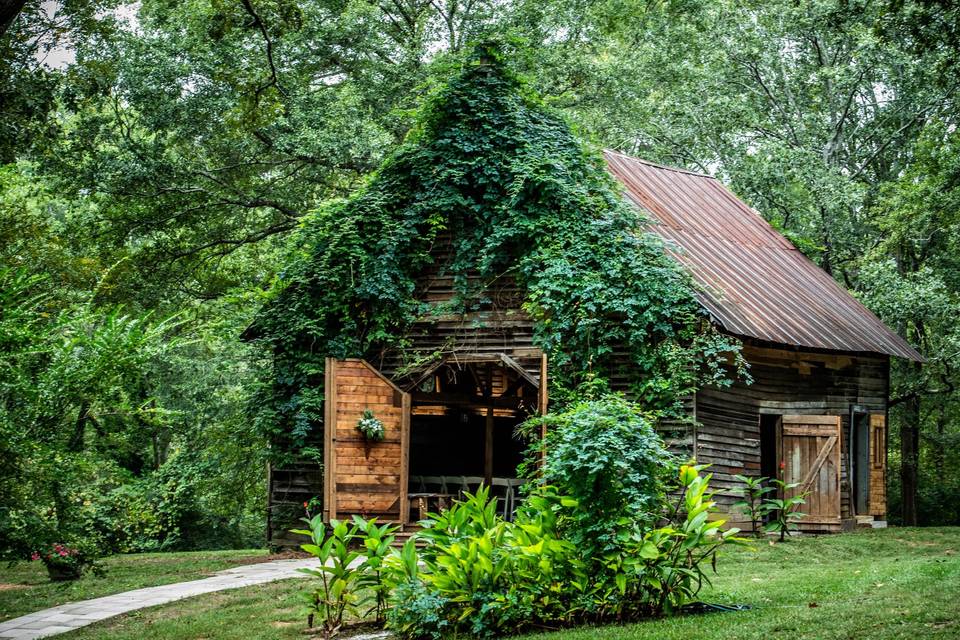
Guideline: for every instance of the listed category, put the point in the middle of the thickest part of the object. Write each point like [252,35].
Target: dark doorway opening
[464,416]
[453,443]
[860,462]
[769,445]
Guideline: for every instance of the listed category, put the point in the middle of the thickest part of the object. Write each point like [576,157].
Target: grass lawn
[893,583]
[24,586]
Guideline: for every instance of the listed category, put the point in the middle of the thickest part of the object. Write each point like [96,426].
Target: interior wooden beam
[464,400]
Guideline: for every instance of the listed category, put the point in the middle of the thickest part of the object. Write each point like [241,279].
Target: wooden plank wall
[785,382]
[680,434]
[811,453]
[878,466]
[363,478]
[290,485]
[494,323]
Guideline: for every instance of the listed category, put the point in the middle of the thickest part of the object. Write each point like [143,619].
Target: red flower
[783,464]
[305,505]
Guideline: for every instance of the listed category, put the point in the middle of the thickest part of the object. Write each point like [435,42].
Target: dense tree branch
[234,243]
[274,79]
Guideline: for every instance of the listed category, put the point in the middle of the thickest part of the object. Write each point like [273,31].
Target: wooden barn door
[364,478]
[810,449]
[878,465]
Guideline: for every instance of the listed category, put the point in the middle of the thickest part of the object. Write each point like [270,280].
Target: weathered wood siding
[810,450]
[785,381]
[494,322]
[364,478]
[878,466]
[290,485]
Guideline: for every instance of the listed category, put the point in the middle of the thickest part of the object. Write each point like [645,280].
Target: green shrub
[752,502]
[607,456]
[474,516]
[785,510]
[377,543]
[338,571]
[485,577]
[417,612]
[663,569]
[348,579]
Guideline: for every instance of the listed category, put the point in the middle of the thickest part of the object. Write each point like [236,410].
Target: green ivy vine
[507,178]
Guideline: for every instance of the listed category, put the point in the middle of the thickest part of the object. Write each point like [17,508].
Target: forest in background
[155,159]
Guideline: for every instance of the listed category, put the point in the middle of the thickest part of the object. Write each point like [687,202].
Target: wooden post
[542,399]
[488,450]
[542,391]
[405,459]
[329,441]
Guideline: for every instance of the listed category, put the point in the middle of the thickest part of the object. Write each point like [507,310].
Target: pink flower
[62,553]
[34,556]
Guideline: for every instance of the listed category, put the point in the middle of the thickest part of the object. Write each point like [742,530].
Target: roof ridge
[659,166]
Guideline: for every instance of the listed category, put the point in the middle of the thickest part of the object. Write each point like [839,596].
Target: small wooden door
[878,465]
[810,450]
[364,478]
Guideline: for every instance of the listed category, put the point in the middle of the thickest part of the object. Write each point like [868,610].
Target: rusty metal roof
[755,283]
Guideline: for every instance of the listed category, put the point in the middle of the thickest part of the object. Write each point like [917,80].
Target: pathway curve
[73,615]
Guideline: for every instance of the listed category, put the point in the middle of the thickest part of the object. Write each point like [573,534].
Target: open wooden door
[810,452]
[364,478]
[878,465]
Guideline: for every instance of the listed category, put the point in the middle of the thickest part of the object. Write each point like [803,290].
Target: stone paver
[66,617]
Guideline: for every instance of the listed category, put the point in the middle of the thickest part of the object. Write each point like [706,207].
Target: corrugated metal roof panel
[755,283]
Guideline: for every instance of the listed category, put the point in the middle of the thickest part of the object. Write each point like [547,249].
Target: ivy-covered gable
[502,179]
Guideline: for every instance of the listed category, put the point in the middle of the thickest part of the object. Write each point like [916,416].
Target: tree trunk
[910,459]
[938,446]
[78,437]
[9,10]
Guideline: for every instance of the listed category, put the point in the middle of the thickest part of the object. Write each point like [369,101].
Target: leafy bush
[781,513]
[162,511]
[348,580]
[475,515]
[490,576]
[377,542]
[606,455]
[417,612]
[486,577]
[752,500]
[338,572]
[665,568]
[784,510]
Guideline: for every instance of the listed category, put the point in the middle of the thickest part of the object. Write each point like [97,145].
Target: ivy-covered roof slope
[492,170]
[754,282]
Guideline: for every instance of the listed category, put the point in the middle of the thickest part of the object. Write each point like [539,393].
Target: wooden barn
[820,360]
[815,412]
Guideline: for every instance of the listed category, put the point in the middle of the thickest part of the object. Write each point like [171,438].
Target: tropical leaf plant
[752,502]
[785,510]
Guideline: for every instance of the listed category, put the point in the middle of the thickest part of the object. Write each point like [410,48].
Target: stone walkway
[73,615]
